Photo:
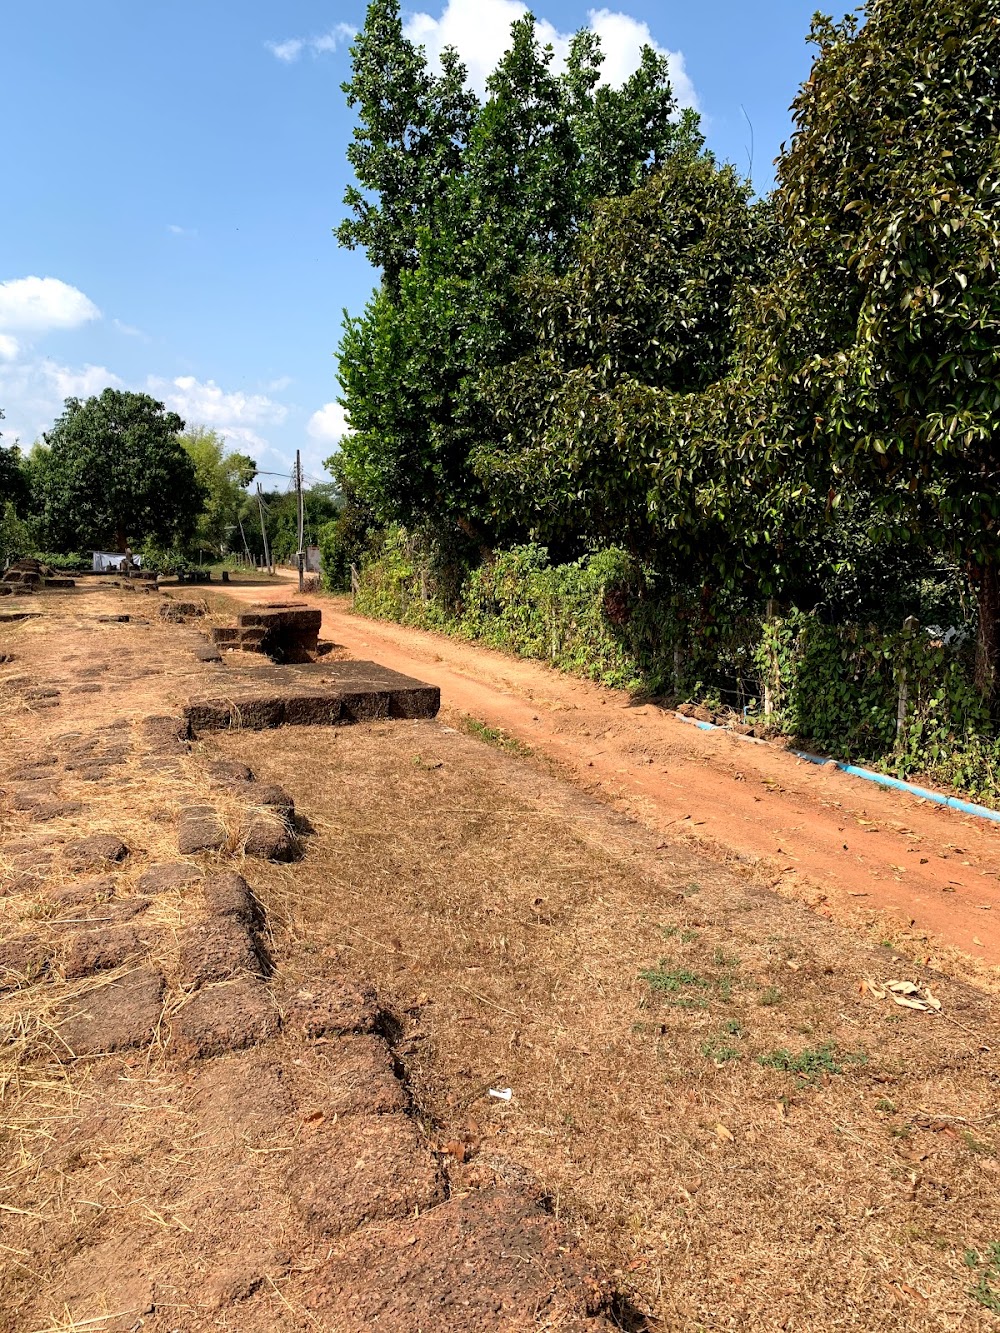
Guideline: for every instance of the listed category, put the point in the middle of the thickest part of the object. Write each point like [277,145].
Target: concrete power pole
[302,523]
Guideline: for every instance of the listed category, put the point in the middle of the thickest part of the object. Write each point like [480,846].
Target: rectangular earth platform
[313,694]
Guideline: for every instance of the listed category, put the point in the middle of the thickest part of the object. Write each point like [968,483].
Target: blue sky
[172,173]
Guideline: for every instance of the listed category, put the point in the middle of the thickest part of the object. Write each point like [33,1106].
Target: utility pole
[246,548]
[263,530]
[302,523]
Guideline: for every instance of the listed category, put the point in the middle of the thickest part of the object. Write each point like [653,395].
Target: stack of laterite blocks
[282,631]
[25,575]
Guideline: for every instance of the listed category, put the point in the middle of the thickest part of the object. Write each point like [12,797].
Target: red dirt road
[926,875]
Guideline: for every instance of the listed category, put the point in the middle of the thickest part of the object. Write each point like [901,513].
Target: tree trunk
[988,636]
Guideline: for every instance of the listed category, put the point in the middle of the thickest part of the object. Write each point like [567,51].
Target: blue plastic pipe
[883,779]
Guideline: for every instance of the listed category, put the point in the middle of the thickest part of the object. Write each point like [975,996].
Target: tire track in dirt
[880,859]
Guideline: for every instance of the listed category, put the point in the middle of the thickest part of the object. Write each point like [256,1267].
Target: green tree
[115,473]
[223,478]
[521,180]
[611,428]
[408,144]
[883,331]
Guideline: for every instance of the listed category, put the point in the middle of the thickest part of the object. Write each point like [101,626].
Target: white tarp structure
[105,560]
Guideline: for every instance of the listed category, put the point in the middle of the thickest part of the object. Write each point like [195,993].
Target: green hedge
[835,688]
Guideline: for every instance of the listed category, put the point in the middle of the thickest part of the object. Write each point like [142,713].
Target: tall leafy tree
[408,143]
[521,179]
[223,478]
[116,473]
[13,481]
[611,427]
[884,329]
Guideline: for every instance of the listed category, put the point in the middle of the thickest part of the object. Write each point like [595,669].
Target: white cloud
[291,48]
[176,230]
[206,404]
[9,347]
[480,32]
[288,50]
[83,382]
[40,304]
[622,39]
[130,331]
[329,424]
[32,392]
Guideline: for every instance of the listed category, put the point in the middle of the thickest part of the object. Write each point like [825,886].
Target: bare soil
[889,864]
[508,1059]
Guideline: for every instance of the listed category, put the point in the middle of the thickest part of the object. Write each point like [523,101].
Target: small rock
[334,1007]
[115,1017]
[23,959]
[99,847]
[228,771]
[46,810]
[276,797]
[228,1017]
[362,1169]
[101,950]
[269,838]
[217,950]
[229,894]
[200,830]
[163,878]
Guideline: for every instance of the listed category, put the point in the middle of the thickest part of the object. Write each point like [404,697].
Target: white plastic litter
[501,1094]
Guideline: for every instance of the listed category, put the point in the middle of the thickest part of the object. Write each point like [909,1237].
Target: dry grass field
[711,1089]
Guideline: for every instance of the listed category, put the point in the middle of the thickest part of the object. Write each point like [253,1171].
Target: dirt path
[927,876]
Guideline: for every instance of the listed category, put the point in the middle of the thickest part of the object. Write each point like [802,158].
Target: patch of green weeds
[808,1064]
[500,740]
[719,1052]
[987,1289]
[975,1145]
[667,980]
[688,936]
[732,1027]
[693,887]
[885,1104]
[668,932]
[768,997]
[723,959]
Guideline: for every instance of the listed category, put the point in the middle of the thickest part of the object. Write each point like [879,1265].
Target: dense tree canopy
[509,186]
[882,332]
[114,472]
[601,416]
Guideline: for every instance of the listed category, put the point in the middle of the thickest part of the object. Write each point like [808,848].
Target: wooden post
[355,582]
[301,555]
[772,683]
[910,626]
